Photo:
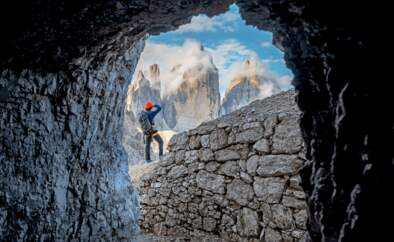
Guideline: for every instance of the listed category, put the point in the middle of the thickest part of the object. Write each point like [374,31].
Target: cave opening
[64,72]
[202,70]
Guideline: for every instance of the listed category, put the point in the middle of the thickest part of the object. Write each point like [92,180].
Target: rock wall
[64,174]
[330,47]
[236,178]
[64,71]
[53,53]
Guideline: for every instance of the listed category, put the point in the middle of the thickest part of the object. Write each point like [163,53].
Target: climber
[145,119]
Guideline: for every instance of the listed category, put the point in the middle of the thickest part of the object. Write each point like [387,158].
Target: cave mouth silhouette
[64,72]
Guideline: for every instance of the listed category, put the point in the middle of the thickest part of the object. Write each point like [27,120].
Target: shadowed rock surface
[64,71]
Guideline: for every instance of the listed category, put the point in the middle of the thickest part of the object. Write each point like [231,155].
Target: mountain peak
[140,81]
[250,64]
[154,75]
[249,83]
[140,75]
[154,70]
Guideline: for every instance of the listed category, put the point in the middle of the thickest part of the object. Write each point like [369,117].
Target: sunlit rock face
[154,77]
[247,85]
[141,91]
[195,97]
[146,88]
[191,97]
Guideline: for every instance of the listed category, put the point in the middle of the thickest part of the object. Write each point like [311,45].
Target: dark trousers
[148,141]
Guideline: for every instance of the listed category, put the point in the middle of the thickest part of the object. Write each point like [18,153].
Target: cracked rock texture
[64,173]
[64,68]
[231,186]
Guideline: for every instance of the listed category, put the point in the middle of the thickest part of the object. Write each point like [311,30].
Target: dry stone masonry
[235,178]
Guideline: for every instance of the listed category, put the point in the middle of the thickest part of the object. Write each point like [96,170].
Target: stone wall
[235,177]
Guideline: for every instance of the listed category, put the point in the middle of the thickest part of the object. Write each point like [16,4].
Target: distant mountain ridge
[191,97]
[248,85]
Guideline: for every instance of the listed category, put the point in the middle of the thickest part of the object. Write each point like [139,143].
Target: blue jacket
[153,112]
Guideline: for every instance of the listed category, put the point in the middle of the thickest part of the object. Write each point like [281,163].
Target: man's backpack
[145,124]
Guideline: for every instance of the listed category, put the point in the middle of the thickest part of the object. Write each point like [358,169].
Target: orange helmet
[148,105]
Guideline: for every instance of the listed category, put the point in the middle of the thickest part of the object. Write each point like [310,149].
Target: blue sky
[227,38]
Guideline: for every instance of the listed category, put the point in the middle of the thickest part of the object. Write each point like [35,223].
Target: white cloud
[167,56]
[227,56]
[284,82]
[269,82]
[226,22]
[266,44]
[229,51]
